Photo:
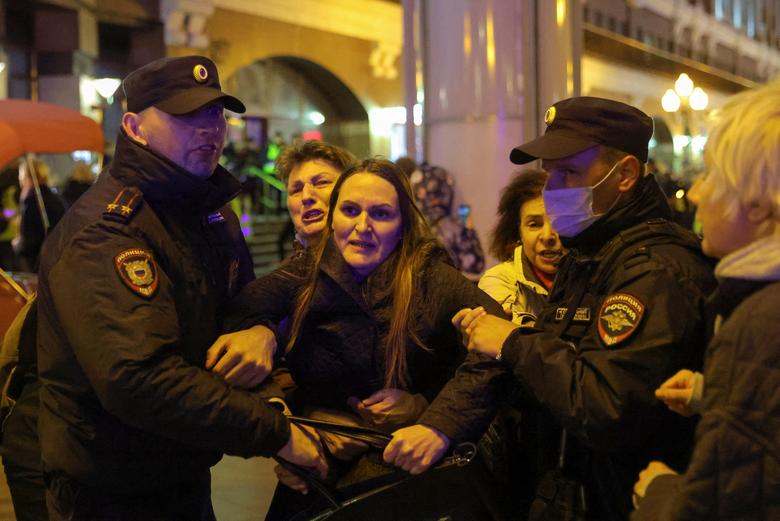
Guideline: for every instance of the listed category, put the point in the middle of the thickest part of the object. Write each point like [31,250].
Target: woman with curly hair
[528,246]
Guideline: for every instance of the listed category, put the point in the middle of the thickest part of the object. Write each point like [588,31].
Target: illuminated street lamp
[106,87]
[683,99]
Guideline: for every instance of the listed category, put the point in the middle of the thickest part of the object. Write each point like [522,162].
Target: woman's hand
[340,447]
[682,392]
[416,448]
[244,358]
[389,409]
[653,470]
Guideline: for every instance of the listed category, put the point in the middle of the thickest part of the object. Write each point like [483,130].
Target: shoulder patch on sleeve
[619,316]
[124,205]
[138,271]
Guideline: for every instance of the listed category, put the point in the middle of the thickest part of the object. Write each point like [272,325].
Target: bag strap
[317,483]
[462,454]
[373,437]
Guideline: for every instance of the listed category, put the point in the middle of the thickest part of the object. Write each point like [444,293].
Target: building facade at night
[474,76]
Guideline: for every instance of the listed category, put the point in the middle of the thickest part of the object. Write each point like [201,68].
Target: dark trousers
[22,457]
[68,500]
[27,492]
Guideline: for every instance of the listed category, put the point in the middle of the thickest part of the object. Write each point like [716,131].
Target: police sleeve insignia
[619,316]
[138,271]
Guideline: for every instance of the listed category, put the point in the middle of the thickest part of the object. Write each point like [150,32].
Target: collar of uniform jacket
[165,183]
[646,202]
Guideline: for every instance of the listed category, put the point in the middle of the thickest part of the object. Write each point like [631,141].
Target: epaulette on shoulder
[124,206]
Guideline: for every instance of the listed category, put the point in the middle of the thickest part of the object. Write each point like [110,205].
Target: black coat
[734,472]
[339,352]
[126,405]
[31,231]
[74,189]
[602,392]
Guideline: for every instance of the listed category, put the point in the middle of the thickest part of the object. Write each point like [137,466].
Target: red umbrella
[33,126]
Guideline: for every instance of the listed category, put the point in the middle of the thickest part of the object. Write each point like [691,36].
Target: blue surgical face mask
[571,209]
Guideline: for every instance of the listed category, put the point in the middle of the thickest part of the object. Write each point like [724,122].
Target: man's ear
[131,123]
[759,211]
[629,170]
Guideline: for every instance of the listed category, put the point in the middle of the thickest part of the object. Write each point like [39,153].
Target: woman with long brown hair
[371,340]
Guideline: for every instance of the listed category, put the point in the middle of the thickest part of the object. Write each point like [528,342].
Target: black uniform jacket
[734,472]
[129,303]
[598,382]
[339,352]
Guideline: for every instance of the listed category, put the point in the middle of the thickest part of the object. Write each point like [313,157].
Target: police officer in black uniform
[132,282]
[625,312]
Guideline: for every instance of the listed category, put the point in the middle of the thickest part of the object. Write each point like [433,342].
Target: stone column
[491,68]
[66,46]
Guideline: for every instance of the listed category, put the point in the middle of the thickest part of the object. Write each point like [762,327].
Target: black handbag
[459,488]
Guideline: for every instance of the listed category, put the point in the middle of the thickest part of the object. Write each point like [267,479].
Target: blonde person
[734,471]
[528,246]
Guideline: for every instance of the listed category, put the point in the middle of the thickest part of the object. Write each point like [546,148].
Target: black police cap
[577,124]
[177,86]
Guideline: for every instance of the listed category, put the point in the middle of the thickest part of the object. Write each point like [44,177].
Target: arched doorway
[289,98]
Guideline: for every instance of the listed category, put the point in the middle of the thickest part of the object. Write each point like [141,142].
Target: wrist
[263,333]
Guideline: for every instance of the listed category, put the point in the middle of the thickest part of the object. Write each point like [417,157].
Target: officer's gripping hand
[682,392]
[390,408]
[304,449]
[482,332]
[244,358]
[653,470]
[416,448]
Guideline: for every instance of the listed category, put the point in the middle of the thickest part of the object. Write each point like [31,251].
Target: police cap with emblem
[177,86]
[576,124]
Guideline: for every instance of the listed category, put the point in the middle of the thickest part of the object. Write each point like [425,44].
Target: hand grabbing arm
[416,448]
[682,393]
[390,408]
[482,332]
[244,358]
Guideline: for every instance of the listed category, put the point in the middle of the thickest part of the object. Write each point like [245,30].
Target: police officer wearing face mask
[625,313]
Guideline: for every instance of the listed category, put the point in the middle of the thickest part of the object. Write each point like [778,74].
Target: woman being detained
[371,341]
